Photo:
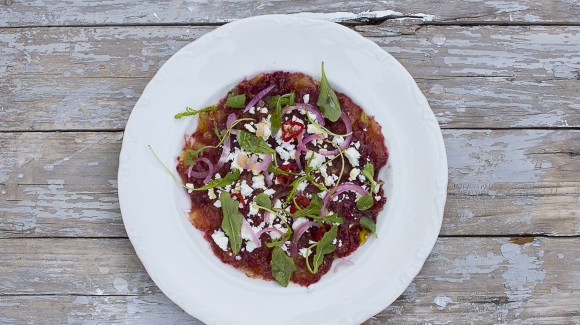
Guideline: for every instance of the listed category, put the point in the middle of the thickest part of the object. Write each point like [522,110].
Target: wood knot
[521,240]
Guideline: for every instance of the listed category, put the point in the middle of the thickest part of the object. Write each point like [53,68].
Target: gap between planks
[440,236]
[369,22]
[539,128]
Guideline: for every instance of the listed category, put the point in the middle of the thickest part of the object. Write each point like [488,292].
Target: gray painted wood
[501,182]
[86,12]
[473,76]
[533,280]
[57,189]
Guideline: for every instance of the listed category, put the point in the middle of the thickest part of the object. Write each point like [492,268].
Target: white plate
[154,208]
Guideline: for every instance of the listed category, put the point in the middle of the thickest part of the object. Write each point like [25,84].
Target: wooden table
[503,78]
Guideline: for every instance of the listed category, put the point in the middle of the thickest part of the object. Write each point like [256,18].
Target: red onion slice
[270,229]
[208,174]
[342,261]
[225,153]
[298,234]
[337,191]
[258,97]
[261,166]
[255,237]
[231,118]
[347,139]
[308,107]
[267,177]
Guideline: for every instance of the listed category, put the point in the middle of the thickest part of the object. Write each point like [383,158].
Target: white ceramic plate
[154,208]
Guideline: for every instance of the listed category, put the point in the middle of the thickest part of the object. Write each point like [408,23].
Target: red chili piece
[291,130]
[285,180]
[301,201]
[240,199]
[321,231]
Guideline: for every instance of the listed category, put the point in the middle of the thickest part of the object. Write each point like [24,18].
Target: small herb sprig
[236,101]
[190,111]
[323,247]
[327,100]
[232,221]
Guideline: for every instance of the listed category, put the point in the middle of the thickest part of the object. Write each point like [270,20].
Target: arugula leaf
[192,154]
[331,219]
[324,247]
[236,101]
[282,266]
[286,99]
[327,100]
[369,171]
[232,221]
[220,182]
[365,202]
[263,200]
[312,209]
[369,224]
[190,111]
[279,102]
[253,144]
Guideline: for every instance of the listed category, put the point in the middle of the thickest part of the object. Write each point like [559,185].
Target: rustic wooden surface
[503,78]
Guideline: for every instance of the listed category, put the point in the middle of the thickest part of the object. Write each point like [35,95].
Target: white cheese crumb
[218,204]
[220,239]
[338,140]
[378,198]
[304,252]
[264,110]
[298,222]
[321,195]
[270,192]
[328,181]
[250,128]
[238,258]
[306,98]
[252,110]
[361,177]
[353,156]
[353,174]
[253,210]
[190,185]
[302,186]
[317,160]
[316,129]
[245,190]
[357,145]
[211,194]
[258,182]
[286,151]
[250,246]
[264,129]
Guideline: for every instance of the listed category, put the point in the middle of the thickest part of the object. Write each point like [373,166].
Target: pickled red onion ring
[258,97]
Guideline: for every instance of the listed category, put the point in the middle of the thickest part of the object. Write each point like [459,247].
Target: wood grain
[473,76]
[501,182]
[79,12]
[532,281]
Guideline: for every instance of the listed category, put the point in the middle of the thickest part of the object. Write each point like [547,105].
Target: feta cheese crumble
[353,156]
[220,239]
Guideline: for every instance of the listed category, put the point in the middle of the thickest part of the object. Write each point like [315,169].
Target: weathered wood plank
[474,77]
[501,182]
[531,280]
[79,12]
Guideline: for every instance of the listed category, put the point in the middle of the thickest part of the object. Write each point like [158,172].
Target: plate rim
[428,245]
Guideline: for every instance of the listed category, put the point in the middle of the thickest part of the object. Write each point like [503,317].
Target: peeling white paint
[523,273]
[441,302]
[121,285]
